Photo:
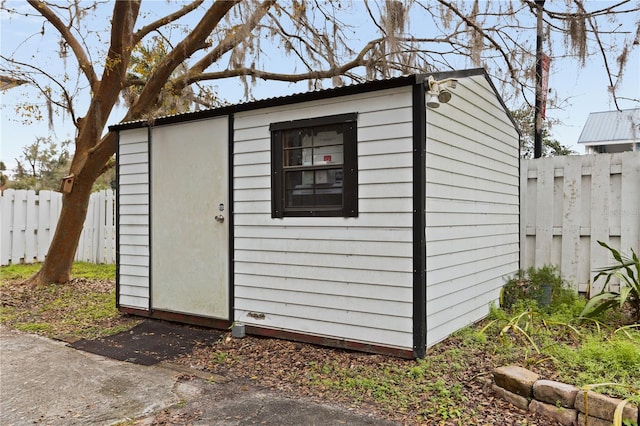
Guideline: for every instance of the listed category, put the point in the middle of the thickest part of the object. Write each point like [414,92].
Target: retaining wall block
[513,398]
[603,407]
[515,379]
[593,421]
[555,393]
[562,415]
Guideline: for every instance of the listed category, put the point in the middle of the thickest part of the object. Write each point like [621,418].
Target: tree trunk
[59,260]
[61,254]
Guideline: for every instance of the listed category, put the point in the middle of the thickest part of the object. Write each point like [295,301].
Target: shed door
[190,218]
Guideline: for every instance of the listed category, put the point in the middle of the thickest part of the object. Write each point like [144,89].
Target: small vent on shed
[256,315]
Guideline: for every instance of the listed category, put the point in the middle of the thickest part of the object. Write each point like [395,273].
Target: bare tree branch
[144,31]
[359,60]
[612,86]
[194,41]
[83,61]
[480,30]
[67,105]
[232,38]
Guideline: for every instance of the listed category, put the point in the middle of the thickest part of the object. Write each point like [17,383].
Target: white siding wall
[347,278]
[133,222]
[472,206]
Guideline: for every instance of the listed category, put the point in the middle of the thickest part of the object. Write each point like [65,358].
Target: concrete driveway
[43,381]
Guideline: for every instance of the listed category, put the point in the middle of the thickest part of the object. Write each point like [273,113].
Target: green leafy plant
[627,269]
[544,286]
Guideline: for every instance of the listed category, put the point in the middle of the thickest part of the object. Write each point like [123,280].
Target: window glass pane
[328,145]
[291,146]
[293,157]
[297,193]
[319,188]
[297,147]
[328,187]
[292,138]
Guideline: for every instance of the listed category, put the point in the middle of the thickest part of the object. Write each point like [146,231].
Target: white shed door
[190,217]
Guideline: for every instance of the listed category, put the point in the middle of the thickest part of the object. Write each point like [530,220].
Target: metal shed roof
[313,95]
[611,126]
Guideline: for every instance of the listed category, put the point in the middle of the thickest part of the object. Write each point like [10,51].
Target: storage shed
[374,216]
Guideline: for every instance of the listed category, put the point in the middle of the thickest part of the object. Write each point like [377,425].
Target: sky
[584,88]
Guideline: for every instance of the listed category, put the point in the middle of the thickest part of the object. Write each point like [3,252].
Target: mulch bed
[150,342]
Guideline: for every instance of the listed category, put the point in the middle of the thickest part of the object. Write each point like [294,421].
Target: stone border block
[564,416]
[555,393]
[593,421]
[515,379]
[512,398]
[603,406]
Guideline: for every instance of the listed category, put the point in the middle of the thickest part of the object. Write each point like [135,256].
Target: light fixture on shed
[438,91]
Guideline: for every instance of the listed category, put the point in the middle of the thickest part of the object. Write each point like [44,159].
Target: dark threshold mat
[150,342]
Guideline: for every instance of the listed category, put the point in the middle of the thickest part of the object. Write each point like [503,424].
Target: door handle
[219,218]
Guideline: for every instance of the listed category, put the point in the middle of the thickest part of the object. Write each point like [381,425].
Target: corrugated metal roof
[611,126]
[313,95]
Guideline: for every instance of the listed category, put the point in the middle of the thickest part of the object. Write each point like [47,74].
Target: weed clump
[541,287]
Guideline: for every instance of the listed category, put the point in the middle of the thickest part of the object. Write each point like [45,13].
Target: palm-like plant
[627,269]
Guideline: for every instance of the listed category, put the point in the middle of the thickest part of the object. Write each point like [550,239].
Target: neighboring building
[611,131]
[364,217]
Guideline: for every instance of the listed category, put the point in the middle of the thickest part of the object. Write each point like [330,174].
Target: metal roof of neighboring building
[611,126]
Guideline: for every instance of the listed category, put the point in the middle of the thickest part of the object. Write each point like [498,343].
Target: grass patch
[18,272]
[82,270]
[82,308]
[561,345]
[92,271]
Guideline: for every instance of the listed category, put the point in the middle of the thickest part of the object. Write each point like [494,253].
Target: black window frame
[349,207]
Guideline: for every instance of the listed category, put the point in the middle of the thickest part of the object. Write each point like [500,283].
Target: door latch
[219,218]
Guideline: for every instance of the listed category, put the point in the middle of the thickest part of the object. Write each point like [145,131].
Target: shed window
[314,167]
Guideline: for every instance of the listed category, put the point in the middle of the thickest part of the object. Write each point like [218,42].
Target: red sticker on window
[327,158]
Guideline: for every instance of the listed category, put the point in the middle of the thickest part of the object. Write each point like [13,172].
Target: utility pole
[537,147]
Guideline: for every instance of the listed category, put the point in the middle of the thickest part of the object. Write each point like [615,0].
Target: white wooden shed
[356,217]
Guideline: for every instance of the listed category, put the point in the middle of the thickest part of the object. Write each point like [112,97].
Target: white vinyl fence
[28,222]
[569,203]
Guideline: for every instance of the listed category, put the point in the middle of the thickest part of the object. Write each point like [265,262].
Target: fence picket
[30,247]
[28,222]
[43,224]
[109,231]
[18,226]
[6,225]
[629,202]
[544,212]
[571,218]
[600,230]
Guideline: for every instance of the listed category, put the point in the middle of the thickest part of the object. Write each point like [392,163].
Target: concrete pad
[44,381]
